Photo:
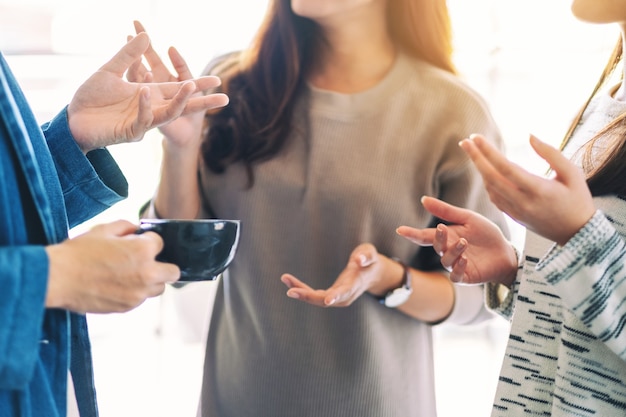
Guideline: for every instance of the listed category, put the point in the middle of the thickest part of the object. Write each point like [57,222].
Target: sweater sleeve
[589,274]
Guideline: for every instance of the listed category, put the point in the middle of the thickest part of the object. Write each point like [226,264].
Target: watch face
[397,297]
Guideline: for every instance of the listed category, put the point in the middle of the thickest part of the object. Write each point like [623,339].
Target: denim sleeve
[91,183]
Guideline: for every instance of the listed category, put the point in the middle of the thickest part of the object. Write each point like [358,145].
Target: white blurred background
[533,62]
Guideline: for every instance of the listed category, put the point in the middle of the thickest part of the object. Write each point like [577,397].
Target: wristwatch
[400,295]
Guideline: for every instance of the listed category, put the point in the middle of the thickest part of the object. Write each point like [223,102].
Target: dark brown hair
[264,81]
[606,172]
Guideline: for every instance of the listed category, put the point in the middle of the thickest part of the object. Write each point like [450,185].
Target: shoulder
[430,79]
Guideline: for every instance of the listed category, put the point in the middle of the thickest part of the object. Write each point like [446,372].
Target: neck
[356,54]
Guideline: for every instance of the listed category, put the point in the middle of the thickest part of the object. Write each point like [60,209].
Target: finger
[457,273]
[422,237]
[504,173]
[176,105]
[293,282]
[116,228]
[338,295]
[452,256]
[563,167]
[169,90]
[180,65]
[125,57]
[153,239]
[207,82]
[440,243]
[315,297]
[445,211]
[138,26]
[136,72]
[145,115]
[153,58]
[204,103]
[168,273]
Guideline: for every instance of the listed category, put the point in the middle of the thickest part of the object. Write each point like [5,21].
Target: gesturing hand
[472,247]
[363,267]
[106,109]
[555,208]
[185,129]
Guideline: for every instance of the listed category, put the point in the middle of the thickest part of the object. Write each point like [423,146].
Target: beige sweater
[355,170]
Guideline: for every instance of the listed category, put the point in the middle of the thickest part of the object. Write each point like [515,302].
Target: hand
[108,269]
[555,208]
[184,129]
[106,109]
[364,266]
[472,248]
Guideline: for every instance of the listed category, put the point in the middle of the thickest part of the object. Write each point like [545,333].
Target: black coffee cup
[201,248]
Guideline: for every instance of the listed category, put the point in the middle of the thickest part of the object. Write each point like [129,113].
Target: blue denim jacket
[47,186]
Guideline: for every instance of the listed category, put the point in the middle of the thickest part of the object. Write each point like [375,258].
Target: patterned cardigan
[566,354]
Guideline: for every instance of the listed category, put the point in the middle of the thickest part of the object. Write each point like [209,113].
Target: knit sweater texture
[354,170]
[566,354]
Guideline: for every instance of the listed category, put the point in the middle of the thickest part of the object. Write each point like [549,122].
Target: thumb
[562,167]
[130,53]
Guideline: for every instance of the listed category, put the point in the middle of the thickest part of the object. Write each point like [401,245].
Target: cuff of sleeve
[499,298]
[148,211]
[595,234]
[469,306]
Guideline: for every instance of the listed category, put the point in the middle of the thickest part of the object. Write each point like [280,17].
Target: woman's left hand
[362,270]
[555,208]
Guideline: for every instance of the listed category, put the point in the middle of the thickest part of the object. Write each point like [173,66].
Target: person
[341,114]
[566,353]
[53,178]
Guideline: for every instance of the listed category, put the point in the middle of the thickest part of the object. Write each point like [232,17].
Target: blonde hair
[605,171]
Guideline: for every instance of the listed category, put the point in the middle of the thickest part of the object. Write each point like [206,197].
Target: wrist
[389,278]
[514,259]
[399,293]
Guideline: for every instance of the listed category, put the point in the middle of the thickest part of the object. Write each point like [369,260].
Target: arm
[178,194]
[369,271]
[434,298]
[588,274]
[585,266]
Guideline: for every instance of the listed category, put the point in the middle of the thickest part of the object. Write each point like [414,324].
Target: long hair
[606,171]
[264,81]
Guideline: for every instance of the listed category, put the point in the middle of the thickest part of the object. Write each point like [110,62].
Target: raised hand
[472,247]
[108,269]
[555,208]
[106,109]
[183,130]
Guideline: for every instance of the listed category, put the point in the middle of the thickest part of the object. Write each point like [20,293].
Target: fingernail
[293,294]
[364,260]
[331,302]
[461,244]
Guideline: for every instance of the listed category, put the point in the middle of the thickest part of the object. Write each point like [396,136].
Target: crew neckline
[353,105]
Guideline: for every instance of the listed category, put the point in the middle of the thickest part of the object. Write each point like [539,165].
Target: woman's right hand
[471,247]
[185,130]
